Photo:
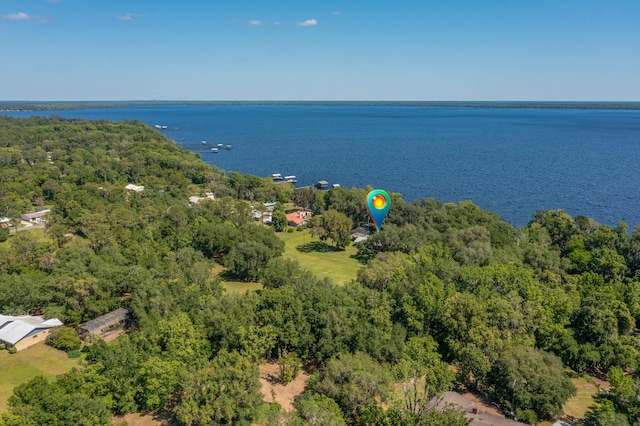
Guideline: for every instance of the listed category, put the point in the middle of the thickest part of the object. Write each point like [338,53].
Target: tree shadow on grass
[363,258]
[318,247]
[230,276]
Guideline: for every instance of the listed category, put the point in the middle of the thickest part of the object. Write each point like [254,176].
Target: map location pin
[378,203]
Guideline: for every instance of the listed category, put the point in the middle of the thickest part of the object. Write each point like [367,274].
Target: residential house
[194,199]
[135,188]
[298,218]
[471,410]
[39,216]
[21,332]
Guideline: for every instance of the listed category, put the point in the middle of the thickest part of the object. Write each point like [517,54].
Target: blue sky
[320,50]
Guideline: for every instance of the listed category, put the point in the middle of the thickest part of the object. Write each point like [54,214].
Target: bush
[64,339]
[12,350]
[289,229]
[3,346]
[74,353]
[289,367]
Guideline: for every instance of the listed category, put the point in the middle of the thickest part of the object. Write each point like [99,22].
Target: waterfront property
[298,218]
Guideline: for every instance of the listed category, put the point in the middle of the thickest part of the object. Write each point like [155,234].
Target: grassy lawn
[579,404]
[23,366]
[38,233]
[323,259]
[240,287]
[234,287]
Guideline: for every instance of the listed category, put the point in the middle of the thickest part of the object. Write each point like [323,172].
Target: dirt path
[284,394]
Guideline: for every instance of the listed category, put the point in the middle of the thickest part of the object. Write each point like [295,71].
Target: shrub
[64,339]
[74,353]
[3,346]
[289,366]
[13,350]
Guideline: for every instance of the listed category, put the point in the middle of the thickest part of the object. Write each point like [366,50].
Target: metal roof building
[24,331]
[104,324]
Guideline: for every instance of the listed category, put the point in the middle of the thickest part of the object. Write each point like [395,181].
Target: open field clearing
[25,365]
[321,258]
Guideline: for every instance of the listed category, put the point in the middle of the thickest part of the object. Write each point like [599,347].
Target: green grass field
[323,259]
[25,365]
[578,405]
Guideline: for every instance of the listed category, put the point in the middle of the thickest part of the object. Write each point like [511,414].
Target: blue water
[512,161]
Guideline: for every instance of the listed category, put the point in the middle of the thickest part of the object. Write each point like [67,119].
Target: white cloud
[336,13]
[277,23]
[20,16]
[129,16]
[308,23]
[254,22]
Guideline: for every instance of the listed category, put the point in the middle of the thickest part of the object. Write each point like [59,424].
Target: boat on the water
[214,150]
[290,179]
[204,142]
[228,147]
[276,177]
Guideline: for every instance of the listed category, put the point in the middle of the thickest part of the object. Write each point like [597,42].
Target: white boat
[204,142]
[214,150]
[220,145]
[228,147]
[276,176]
[290,179]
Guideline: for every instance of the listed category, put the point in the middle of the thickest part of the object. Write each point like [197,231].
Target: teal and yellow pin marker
[378,203]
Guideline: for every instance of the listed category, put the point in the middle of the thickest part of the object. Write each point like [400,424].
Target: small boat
[157,126]
[290,179]
[220,145]
[214,150]
[228,147]
[204,142]
[276,176]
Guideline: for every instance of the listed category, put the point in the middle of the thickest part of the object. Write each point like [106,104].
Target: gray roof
[13,329]
[103,322]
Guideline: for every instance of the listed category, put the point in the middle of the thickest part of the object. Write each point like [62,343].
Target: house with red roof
[298,218]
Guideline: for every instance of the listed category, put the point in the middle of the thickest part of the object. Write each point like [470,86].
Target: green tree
[525,378]
[319,410]
[332,225]
[353,381]
[279,220]
[223,392]
[63,338]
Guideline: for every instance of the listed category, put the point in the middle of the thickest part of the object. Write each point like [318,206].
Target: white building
[23,331]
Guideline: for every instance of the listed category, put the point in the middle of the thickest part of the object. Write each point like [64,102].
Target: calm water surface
[511,161]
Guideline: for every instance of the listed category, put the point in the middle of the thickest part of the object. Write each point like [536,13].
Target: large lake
[512,161]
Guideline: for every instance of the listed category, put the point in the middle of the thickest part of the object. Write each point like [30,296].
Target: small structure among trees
[106,324]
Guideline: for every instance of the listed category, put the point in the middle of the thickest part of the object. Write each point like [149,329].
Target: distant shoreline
[28,106]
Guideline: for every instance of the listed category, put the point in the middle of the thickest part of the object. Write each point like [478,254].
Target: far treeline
[75,105]
[449,296]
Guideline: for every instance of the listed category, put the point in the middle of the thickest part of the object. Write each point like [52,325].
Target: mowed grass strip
[25,365]
[578,405]
[320,257]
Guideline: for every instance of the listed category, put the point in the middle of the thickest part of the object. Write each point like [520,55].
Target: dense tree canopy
[448,294]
